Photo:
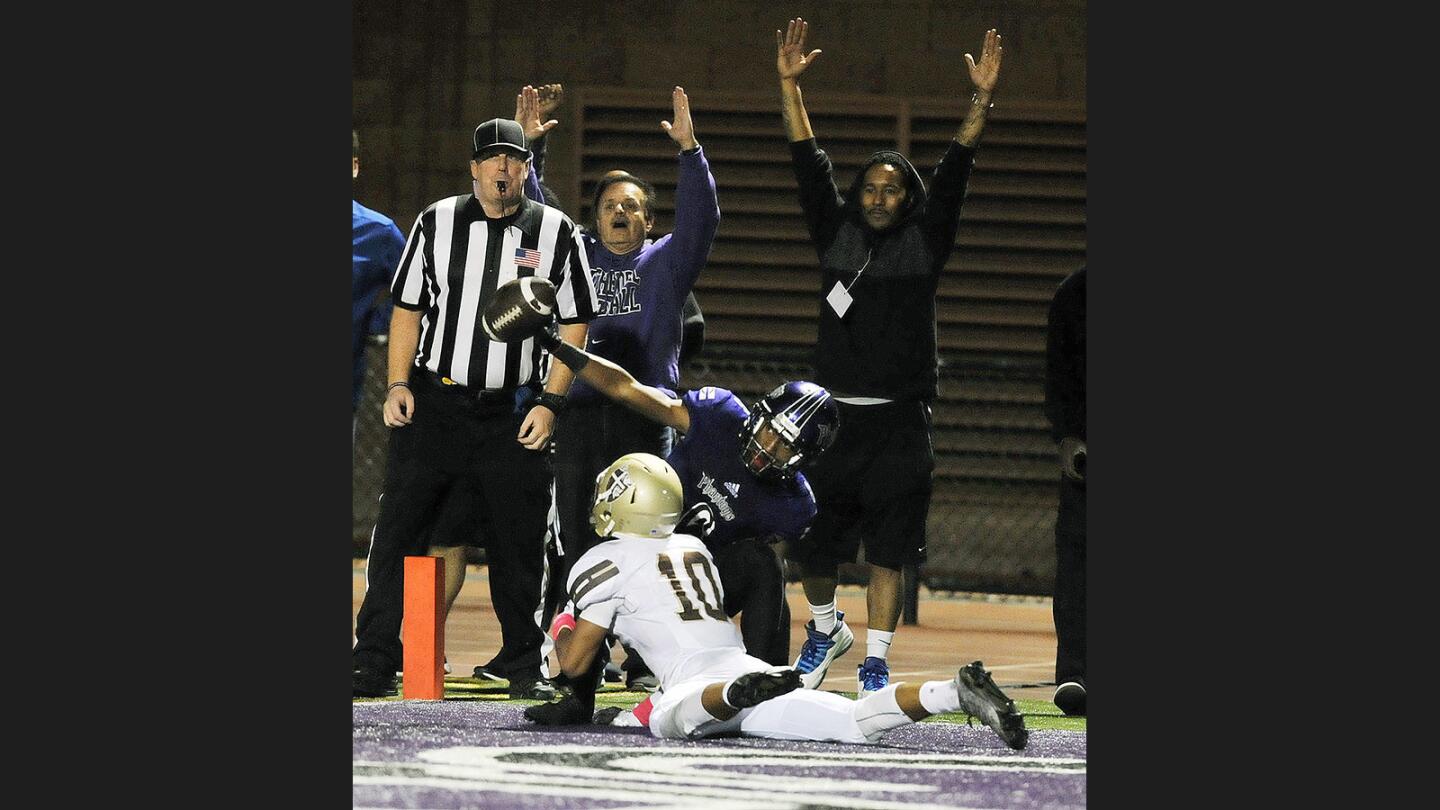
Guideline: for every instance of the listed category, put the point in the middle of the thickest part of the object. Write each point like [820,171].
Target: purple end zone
[483,754]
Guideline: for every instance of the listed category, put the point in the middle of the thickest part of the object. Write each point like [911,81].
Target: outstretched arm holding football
[525,308]
[618,384]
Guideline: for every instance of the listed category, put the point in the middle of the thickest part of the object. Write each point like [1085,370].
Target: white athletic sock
[877,643]
[824,616]
[879,712]
[939,696]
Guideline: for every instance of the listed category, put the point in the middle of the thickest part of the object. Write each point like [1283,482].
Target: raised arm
[984,75]
[530,112]
[682,132]
[952,173]
[532,105]
[697,208]
[790,61]
[814,174]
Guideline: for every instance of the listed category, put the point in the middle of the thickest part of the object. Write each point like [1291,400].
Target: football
[519,309]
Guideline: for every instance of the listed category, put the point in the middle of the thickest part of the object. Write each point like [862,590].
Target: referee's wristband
[555,402]
[394,385]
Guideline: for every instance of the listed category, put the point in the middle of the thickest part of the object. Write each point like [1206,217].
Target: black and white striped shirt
[454,259]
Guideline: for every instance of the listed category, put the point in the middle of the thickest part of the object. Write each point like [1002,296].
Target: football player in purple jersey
[744,485]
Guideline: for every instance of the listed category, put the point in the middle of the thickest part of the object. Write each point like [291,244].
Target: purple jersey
[708,462]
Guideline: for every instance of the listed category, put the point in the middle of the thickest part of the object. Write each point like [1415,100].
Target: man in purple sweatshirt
[642,285]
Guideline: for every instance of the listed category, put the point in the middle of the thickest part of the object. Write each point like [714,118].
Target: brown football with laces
[519,309]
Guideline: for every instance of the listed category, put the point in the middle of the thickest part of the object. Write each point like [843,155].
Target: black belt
[485,396]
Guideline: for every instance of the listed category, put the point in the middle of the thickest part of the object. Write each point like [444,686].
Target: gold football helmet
[639,494]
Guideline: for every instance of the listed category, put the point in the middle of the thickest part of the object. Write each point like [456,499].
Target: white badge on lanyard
[839,299]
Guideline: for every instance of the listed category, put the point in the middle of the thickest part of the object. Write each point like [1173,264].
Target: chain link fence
[992,518]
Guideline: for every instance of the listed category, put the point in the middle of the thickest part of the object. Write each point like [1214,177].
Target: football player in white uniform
[658,591]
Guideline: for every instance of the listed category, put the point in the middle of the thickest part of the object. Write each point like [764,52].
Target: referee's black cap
[501,133]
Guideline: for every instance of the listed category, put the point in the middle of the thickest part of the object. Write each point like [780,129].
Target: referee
[469,418]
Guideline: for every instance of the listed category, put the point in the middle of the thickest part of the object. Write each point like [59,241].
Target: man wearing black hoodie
[881,250]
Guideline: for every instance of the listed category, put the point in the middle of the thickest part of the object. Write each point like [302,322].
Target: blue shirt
[708,462]
[377,245]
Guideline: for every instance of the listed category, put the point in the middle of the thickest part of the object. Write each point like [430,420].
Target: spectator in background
[376,245]
[881,250]
[1065,409]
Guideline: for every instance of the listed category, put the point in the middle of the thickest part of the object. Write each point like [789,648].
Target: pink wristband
[561,622]
[642,712]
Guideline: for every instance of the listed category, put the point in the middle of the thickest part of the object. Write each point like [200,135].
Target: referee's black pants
[1069,602]
[458,464]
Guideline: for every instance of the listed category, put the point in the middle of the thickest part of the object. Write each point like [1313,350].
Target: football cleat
[980,697]
[754,688]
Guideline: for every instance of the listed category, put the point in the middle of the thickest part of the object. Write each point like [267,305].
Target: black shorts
[873,485]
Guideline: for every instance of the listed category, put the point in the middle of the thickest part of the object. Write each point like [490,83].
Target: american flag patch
[525,257]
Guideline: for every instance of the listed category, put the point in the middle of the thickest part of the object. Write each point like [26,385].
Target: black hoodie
[884,346]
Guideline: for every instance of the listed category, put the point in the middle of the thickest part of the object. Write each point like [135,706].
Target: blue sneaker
[821,649]
[873,676]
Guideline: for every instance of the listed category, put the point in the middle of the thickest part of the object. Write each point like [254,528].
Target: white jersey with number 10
[661,597]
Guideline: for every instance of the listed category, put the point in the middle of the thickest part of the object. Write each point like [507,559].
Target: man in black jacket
[1065,408]
[881,251]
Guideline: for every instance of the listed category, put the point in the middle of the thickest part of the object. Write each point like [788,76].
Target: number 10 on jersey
[692,565]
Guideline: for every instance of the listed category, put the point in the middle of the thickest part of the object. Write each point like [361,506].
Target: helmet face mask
[639,494]
[787,429]
[766,453]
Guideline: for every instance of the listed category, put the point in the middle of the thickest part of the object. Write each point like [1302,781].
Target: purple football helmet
[801,417]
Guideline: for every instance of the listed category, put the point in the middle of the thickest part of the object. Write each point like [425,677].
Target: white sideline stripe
[669,777]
